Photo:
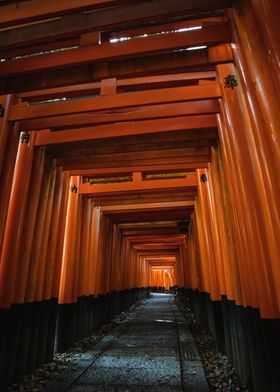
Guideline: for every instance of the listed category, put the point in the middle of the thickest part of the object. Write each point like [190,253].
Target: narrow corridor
[151,350]
[139,153]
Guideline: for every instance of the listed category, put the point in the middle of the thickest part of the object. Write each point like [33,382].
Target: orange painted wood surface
[52,244]
[43,211]
[100,20]
[208,35]
[26,241]
[14,222]
[60,235]
[68,256]
[6,178]
[252,209]
[47,137]
[5,103]
[88,189]
[179,94]
[37,9]
[123,84]
[130,114]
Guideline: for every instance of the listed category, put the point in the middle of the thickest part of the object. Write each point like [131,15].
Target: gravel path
[151,350]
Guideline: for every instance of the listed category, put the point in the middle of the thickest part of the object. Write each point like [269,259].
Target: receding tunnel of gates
[162,277]
[229,261]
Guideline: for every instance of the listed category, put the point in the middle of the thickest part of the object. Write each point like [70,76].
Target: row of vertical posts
[96,258]
[65,269]
[237,220]
[162,278]
[101,274]
[232,252]
[228,284]
[59,248]
[33,202]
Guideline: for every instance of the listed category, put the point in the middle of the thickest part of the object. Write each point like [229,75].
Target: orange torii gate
[210,114]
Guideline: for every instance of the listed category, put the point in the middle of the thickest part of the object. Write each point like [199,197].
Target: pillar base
[251,343]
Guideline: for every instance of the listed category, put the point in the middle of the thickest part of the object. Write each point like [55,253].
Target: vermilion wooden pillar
[241,208]
[267,16]
[114,257]
[199,282]
[119,267]
[5,104]
[108,269]
[206,237]
[15,219]
[29,225]
[258,64]
[239,151]
[99,244]
[53,235]
[223,222]
[60,235]
[6,178]
[92,248]
[203,250]
[237,206]
[85,235]
[41,272]
[215,223]
[77,257]
[38,234]
[68,257]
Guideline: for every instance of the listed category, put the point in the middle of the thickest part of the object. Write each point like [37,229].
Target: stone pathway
[151,350]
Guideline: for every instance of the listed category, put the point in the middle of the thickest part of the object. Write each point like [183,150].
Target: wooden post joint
[203,178]
[24,137]
[230,81]
[74,189]
[2,111]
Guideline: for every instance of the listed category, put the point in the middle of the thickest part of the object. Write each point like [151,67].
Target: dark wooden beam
[91,163]
[160,207]
[139,113]
[149,212]
[25,111]
[38,48]
[123,85]
[185,61]
[170,26]
[88,189]
[83,158]
[144,198]
[101,20]
[126,170]
[93,148]
[28,11]
[163,231]
[141,127]
[156,239]
[181,213]
[209,35]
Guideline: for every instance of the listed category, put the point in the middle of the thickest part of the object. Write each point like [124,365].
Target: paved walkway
[151,350]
